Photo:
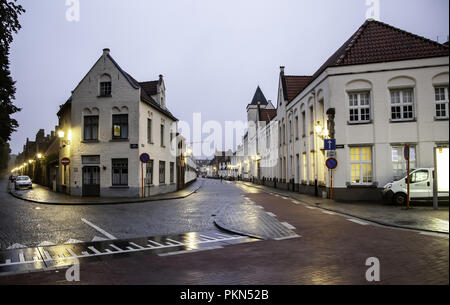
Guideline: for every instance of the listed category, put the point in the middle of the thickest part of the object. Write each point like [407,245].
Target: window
[311,120]
[304,168]
[90,127]
[162,172]
[361,165]
[290,131]
[419,176]
[162,135]
[268,137]
[149,130]
[303,123]
[441,98]
[120,126]
[398,161]
[105,88]
[359,106]
[402,105]
[311,166]
[296,127]
[119,171]
[172,172]
[149,172]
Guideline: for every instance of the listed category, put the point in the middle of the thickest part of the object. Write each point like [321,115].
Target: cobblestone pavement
[332,249]
[420,217]
[41,194]
[249,219]
[27,224]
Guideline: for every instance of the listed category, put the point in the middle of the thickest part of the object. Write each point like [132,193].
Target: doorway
[91,181]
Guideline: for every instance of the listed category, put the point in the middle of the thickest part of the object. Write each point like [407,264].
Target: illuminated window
[361,165]
[304,168]
[311,166]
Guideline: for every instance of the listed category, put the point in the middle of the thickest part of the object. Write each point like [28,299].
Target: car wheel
[399,199]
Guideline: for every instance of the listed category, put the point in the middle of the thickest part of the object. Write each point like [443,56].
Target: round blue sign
[144,157]
[331,163]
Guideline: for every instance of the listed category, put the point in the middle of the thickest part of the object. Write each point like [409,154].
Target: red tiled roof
[293,85]
[267,115]
[376,42]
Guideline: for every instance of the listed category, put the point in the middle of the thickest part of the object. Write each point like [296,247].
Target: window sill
[359,123]
[119,140]
[101,96]
[119,187]
[402,121]
[356,186]
[440,119]
[150,142]
[163,146]
[90,141]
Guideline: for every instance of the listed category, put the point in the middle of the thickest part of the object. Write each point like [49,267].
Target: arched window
[105,85]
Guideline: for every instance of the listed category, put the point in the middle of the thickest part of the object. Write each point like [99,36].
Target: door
[91,181]
[420,185]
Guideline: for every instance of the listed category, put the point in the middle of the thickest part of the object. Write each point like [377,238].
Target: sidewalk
[41,194]
[419,218]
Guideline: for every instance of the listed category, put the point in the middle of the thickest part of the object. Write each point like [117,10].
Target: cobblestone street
[302,244]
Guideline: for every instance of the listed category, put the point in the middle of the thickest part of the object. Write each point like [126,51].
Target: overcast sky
[212,53]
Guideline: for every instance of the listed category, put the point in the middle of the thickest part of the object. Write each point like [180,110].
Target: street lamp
[60,134]
[39,156]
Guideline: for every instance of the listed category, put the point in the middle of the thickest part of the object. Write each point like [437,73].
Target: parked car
[23,181]
[420,187]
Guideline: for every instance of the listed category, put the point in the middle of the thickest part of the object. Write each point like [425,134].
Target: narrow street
[325,247]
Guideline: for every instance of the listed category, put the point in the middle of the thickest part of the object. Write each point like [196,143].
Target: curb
[351,215]
[149,199]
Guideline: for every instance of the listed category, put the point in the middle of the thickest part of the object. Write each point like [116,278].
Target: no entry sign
[65,161]
[331,163]
[144,157]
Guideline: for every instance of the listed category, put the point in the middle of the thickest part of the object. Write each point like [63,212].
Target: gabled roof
[259,97]
[373,42]
[376,42]
[267,115]
[147,90]
[293,85]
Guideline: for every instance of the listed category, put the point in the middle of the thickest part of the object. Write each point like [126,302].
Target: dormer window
[105,85]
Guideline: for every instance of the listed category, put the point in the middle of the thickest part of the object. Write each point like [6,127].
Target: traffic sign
[65,161]
[329,144]
[406,152]
[331,163]
[144,157]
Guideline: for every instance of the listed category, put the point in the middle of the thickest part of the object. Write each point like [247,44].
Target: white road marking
[288,225]
[271,214]
[21,258]
[7,262]
[117,248]
[295,201]
[94,250]
[71,252]
[73,241]
[46,243]
[328,212]
[288,237]
[358,221]
[311,208]
[434,234]
[174,241]
[16,246]
[157,244]
[189,251]
[98,229]
[97,238]
[137,246]
[47,255]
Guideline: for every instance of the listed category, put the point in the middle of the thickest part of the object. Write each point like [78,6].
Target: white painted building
[385,88]
[110,120]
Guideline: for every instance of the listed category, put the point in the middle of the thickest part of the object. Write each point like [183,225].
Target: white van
[420,187]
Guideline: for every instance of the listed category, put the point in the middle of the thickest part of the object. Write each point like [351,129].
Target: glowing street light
[60,134]
[39,156]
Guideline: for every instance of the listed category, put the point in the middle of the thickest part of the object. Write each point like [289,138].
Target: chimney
[282,69]
[106,51]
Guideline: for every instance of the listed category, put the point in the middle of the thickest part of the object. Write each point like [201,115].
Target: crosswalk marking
[358,221]
[288,225]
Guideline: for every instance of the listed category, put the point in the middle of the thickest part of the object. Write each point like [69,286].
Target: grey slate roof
[259,97]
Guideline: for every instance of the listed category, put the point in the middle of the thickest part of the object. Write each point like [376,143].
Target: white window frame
[361,163]
[401,103]
[399,165]
[358,106]
[441,102]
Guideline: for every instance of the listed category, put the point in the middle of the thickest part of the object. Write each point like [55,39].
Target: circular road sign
[331,163]
[144,157]
[65,161]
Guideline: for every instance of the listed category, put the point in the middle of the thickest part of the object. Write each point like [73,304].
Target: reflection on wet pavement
[18,260]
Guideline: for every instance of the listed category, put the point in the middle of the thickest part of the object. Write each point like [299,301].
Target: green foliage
[9,13]
[4,155]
